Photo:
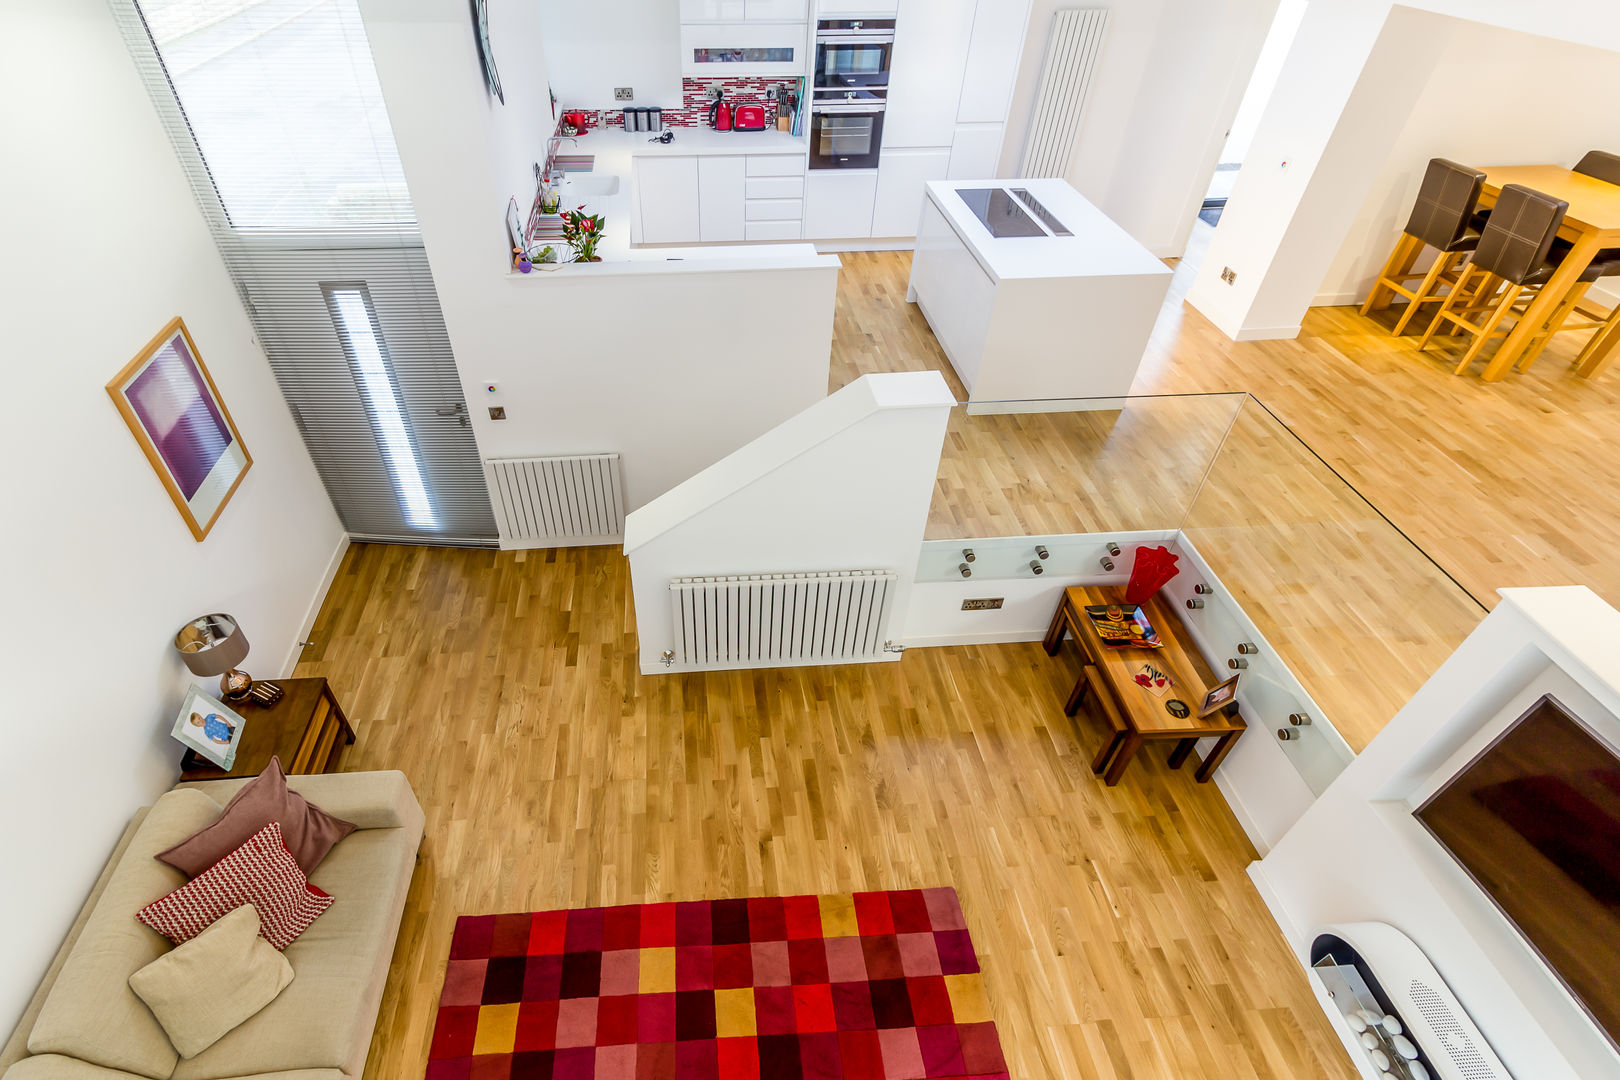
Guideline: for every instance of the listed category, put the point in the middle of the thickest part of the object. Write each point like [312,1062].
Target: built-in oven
[846,134]
[853,54]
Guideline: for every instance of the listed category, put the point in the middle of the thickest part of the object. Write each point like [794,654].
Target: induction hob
[1000,212]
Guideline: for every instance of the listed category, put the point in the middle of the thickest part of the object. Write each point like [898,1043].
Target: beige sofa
[85,1023]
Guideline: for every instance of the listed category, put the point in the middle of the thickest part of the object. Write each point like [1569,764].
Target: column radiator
[769,620]
[1066,75]
[558,501]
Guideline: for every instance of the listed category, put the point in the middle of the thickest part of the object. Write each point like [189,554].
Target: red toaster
[749,118]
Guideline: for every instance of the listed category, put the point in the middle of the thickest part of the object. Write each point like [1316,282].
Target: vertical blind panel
[283,98]
[275,114]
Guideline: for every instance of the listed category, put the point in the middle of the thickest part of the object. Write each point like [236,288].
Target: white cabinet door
[713,10]
[838,205]
[723,50]
[667,191]
[777,9]
[992,61]
[931,40]
[975,151]
[720,193]
[857,7]
[901,177]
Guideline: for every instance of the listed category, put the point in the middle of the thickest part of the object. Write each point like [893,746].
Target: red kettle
[578,120]
[720,112]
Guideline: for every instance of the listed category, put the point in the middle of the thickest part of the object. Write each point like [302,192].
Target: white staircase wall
[844,485]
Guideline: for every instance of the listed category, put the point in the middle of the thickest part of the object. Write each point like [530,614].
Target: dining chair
[1601,165]
[1441,219]
[1510,263]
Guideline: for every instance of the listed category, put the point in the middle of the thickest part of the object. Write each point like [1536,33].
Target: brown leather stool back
[1600,165]
[1520,233]
[1444,204]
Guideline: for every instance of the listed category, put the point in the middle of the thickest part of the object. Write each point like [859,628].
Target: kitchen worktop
[1098,247]
[615,151]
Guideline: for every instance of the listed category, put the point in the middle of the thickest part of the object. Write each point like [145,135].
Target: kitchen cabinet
[720,50]
[740,10]
[721,181]
[838,205]
[667,194]
[992,61]
[903,176]
[975,152]
[835,8]
[931,42]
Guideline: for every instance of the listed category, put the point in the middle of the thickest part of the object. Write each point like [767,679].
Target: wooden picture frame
[176,414]
[1219,697]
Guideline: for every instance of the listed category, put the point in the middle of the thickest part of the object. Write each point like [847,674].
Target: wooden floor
[1119,934]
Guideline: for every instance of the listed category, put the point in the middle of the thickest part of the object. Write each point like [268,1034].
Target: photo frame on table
[1219,697]
[208,727]
[174,410]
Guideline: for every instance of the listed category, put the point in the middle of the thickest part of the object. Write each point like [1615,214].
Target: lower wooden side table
[306,729]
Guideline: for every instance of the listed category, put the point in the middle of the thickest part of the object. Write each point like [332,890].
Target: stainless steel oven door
[845,136]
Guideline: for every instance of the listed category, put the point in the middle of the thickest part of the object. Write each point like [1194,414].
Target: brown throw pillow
[308,831]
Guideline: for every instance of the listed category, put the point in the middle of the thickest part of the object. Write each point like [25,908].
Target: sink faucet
[551,154]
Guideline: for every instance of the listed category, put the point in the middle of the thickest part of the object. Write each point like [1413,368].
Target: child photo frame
[208,727]
[1219,697]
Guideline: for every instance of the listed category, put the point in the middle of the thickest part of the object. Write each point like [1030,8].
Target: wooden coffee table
[306,729]
[1145,714]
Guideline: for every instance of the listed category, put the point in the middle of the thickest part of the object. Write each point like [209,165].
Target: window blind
[275,113]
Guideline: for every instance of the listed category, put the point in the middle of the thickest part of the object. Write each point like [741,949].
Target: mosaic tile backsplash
[697,95]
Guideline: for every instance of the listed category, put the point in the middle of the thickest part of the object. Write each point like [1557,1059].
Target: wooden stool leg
[1400,260]
[1601,349]
[1179,754]
[1424,291]
[1483,333]
[1453,298]
[1130,744]
[1559,316]
[1109,748]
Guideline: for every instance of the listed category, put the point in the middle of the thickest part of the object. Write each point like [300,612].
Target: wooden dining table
[1591,224]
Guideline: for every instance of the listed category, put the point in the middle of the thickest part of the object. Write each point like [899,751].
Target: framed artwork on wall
[174,410]
[492,78]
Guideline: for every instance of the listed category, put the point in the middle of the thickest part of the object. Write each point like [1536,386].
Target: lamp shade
[211,645]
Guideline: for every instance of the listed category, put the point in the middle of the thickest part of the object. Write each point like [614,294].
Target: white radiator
[558,501]
[1071,62]
[768,620]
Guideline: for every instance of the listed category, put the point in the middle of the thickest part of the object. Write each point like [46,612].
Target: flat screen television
[1535,819]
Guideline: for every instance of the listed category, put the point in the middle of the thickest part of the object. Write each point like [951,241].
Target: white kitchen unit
[839,204]
[992,61]
[975,151]
[832,9]
[903,177]
[667,193]
[722,50]
[721,184]
[1034,315]
[931,43]
[740,10]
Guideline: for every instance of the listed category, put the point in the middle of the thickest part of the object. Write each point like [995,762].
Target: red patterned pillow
[261,872]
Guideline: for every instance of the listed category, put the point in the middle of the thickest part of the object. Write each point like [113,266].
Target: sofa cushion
[308,831]
[55,1067]
[372,800]
[213,982]
[339,968]
[91,1013]
[261,872]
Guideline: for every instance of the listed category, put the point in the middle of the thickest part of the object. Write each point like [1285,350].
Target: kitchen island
[1033,292]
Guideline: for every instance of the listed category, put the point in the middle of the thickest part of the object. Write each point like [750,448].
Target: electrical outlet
[497,412]
[1229,275]
[624,93]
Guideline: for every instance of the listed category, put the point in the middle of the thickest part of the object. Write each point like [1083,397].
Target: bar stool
[1600,165]
[1511,261]
[1441,219]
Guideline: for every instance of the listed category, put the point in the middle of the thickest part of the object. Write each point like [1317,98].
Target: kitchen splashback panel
[697,95]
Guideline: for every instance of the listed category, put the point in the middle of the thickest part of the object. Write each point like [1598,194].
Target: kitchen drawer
[775,230]
[773,209]
[775,187]
[775,165]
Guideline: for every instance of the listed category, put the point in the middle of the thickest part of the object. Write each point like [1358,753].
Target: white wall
[1342,100]
[671,370]
[1357,854]
[845,485]
[1444,123]
[1267,70]
[590,49]
[1171,75]
[103,245]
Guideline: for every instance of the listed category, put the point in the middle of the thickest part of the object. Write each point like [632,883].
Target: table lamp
[214,645]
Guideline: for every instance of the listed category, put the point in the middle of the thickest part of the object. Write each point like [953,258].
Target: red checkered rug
[874,986]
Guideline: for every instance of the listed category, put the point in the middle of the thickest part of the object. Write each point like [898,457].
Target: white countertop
[615,151]
[1098,247]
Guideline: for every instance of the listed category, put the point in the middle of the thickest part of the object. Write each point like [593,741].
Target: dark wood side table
[306,729]
[1144,714]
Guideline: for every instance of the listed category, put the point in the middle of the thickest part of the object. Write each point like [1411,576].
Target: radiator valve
[668,659]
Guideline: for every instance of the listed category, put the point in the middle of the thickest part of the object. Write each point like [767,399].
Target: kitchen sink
[584,184]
